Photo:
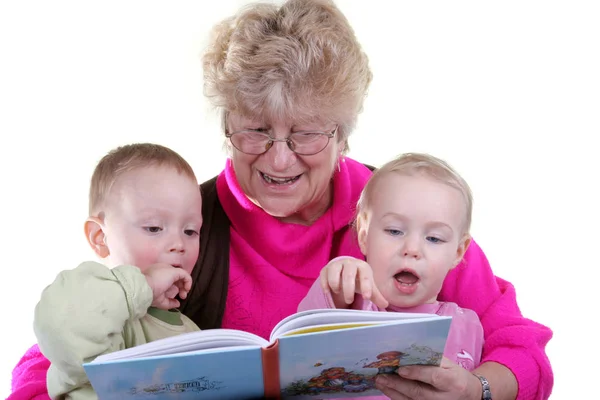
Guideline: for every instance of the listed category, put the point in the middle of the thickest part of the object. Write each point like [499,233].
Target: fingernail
[403,371]
[382,380]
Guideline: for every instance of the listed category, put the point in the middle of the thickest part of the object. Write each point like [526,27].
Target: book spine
[270,361]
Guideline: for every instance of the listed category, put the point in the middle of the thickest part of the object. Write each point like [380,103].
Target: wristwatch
[485,386]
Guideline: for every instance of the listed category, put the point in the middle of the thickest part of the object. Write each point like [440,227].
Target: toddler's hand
[345,276]
[166,283]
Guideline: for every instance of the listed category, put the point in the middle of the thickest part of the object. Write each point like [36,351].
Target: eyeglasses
[304,143]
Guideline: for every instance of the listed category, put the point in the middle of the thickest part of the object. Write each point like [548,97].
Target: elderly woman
[290,82]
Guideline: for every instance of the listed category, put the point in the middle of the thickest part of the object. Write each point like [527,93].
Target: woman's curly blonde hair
[299,62]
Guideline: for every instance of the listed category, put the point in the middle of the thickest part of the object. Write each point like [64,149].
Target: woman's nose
[280,156]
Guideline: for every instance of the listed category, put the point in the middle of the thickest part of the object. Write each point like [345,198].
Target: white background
[508,92]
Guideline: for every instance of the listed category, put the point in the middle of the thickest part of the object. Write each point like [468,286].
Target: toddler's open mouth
[407,277]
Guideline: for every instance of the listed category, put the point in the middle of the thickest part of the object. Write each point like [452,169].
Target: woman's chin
[277,207]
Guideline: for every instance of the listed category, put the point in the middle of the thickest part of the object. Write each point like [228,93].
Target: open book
[313,354]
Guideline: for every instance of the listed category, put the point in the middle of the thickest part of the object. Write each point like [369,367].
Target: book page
[314,318]
[323,328]
[187,342]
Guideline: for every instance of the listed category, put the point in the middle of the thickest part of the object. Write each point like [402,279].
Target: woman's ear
[94,233]
[463,245]
[362,230]
[343,148]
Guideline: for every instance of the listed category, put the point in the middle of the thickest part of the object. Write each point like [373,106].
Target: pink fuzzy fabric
[272,263]
[29,376]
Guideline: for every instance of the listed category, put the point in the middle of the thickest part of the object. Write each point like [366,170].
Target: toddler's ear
[463,245]
[94,233]
[362,230]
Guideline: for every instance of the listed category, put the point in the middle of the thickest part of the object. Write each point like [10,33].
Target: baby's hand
[166,283]
[345,276]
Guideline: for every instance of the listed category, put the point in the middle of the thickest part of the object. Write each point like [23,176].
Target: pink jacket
[273,265]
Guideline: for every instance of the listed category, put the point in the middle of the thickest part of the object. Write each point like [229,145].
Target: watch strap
[485,387]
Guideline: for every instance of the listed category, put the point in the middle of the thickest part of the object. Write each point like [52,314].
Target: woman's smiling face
[295,188]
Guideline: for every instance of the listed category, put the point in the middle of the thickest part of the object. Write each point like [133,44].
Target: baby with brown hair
[144,224]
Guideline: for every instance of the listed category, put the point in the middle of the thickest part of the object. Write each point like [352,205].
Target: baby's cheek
[381,280]
[146,257]
[190,263]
